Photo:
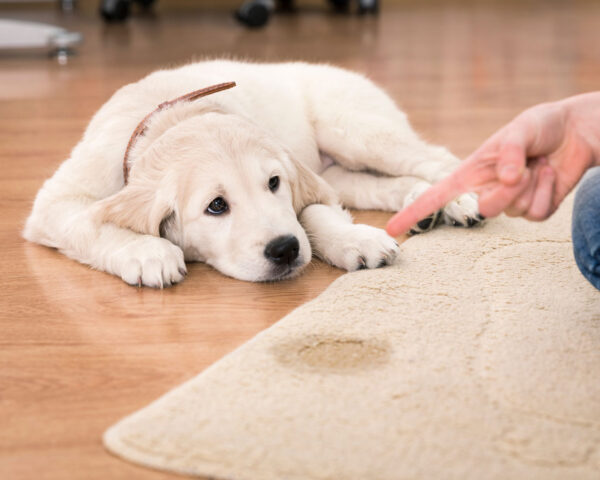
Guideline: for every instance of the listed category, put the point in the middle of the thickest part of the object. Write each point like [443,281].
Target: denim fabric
[586,226]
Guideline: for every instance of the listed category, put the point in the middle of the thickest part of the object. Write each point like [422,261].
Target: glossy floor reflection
[78,348]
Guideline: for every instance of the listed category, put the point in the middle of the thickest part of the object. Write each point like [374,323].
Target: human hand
[525,169]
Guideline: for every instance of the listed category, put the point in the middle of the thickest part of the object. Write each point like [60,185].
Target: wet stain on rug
[332,354]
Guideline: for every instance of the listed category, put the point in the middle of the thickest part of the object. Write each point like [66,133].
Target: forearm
[584,111]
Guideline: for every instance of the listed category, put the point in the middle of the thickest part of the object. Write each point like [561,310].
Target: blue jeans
[586,226]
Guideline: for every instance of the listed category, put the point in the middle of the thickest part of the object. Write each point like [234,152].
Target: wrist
[584,111]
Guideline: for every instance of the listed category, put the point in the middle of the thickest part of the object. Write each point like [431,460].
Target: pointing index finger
[430,201]
[471,174]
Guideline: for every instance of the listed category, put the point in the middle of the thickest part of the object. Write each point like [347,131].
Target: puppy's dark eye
[273,183]
[218,206]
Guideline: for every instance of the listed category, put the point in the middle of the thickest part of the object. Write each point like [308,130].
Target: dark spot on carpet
[333,354]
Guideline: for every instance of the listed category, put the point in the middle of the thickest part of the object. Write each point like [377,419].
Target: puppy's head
[224,191]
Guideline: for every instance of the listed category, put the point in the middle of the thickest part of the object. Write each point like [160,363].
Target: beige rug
[476,357]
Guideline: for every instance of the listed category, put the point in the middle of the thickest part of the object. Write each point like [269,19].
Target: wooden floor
[80,349]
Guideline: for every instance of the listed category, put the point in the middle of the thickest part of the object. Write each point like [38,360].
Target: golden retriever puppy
[250,180]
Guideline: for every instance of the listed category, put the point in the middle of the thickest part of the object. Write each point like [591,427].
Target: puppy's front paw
[426,223]
[150,261]
[463,212]
[362,246]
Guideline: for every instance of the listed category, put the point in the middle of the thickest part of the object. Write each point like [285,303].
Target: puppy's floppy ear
[143,209]
[307,187]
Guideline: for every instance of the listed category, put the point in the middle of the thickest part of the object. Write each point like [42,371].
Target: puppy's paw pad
[426,224]
[362,263]
[463,212]
[151,261]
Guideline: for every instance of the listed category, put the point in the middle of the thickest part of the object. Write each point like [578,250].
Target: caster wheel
[368,6]
[254,13]
[114,10]
[285,5]
[341,6]
[145,3]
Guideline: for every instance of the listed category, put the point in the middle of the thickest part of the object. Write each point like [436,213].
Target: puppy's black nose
[282,250]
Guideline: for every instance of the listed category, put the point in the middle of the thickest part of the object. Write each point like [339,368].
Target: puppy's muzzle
[282,250]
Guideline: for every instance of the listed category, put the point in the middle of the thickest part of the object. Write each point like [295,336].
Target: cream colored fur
[286,120]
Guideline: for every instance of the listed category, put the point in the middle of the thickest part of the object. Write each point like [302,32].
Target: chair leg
[255,13]
[115,10]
